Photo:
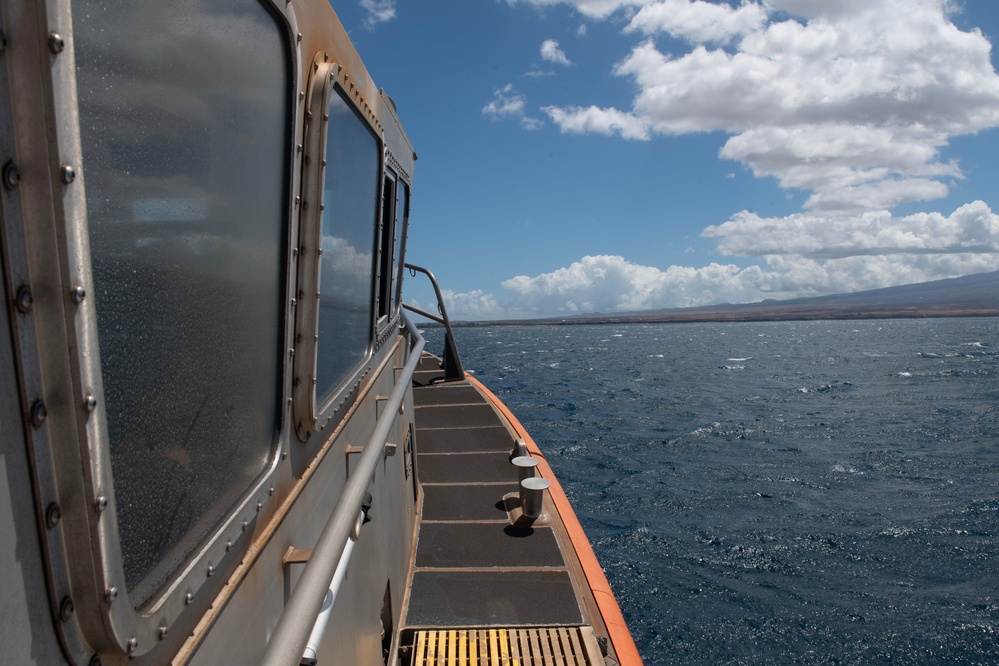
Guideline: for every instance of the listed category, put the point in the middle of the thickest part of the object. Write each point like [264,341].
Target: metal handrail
[291,634]
[453,369]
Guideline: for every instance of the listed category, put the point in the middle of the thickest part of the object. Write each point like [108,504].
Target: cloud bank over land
[850,102]
[802,255]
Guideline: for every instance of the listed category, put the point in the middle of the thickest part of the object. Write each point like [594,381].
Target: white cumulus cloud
[508,103]
[552,52]
[850,100]
[378,11]
[699,21]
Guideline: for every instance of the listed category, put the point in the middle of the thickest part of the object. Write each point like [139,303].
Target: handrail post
[453,369]
[287,642]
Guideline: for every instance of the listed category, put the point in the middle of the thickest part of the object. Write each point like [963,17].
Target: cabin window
[388,242]
[401,228]
[347,268]
[184,123]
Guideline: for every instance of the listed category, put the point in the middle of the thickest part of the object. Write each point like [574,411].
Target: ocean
[773,493]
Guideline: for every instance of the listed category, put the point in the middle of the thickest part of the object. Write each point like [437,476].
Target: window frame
[311,413]
[82,540]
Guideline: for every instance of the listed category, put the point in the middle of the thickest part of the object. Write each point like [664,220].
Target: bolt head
[90,402]
[56,43]
[38,413]
[53,514]
[101,503]
[68,173]
[111,594]
[66,609]
[78,293]
[11,176]
[24,300]
[163,632]
[133,644]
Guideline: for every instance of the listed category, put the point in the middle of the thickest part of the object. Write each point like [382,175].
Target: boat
[222,437]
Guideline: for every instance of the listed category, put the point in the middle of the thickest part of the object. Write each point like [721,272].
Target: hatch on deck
[546,646]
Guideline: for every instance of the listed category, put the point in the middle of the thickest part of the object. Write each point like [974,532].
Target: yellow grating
[553,646]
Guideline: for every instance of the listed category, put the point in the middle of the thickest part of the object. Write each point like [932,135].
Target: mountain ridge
[968,296]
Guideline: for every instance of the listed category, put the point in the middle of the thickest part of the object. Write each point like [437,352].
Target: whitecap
[904,374]
[733,367]
[740,360]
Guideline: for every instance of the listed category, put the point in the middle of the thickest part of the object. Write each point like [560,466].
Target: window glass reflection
[346,270]
[184,121]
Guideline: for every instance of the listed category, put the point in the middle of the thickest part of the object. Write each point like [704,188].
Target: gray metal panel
[480,545]
[26,632]
[468,440]
[448,394]
[466,468]
[466,502]
[456,416]
[481,598]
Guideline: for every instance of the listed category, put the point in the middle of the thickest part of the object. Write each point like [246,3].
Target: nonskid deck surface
[473,569]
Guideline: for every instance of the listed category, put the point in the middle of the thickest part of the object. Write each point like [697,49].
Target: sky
[607,156]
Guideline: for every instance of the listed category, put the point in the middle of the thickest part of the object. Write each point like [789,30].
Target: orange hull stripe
[624,644]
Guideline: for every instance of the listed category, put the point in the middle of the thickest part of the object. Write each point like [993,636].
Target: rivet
[315,67]
[326,116]
[24,300]
[260,506]
[326,57]
[298,200]
[211,570]
[90,402]
[299,148]
[324,162]
[38,413]
[299,37]
[66,609]
[78,293]
[301,95]
[163,632]
[111,594]
[272,490]
[101,503]
[68,173]
[188,598]
[133,643]
[245,525]
[228,546]
[11,176]
[56,43]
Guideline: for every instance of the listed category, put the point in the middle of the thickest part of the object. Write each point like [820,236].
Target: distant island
[968,296]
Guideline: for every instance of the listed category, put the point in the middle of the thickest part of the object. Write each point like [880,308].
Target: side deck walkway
[474,569]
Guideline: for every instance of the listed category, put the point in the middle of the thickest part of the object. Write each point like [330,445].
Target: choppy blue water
[792,492]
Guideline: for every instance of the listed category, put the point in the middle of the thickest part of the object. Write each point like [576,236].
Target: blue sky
[619,155]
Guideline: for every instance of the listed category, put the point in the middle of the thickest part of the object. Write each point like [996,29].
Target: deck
[488,584]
